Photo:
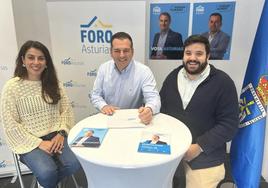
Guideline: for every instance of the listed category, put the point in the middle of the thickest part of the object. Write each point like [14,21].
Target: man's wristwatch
[62,133]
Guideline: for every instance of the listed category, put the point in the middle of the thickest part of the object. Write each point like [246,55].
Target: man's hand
[46,146]
[193,151]
[145,115]
[108,109]
[57,143]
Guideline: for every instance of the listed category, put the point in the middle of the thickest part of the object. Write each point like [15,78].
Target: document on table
[125,118]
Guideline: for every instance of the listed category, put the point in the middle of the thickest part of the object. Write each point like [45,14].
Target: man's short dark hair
[166,14]
[197,39]
[121,36]
[216,14]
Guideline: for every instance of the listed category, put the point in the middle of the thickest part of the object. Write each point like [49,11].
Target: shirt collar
[213,34]
[164,32]
[203,74]
[127,69]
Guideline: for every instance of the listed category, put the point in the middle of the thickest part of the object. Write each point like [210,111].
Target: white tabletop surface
[119,147]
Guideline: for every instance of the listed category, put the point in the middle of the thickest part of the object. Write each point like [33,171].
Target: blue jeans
[51,169]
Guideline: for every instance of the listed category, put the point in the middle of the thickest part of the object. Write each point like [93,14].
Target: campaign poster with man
[168,29]
[215,21]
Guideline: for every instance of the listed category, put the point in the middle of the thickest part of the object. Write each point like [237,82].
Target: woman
[37,116]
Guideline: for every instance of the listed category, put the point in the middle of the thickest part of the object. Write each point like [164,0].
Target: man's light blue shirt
[133,87]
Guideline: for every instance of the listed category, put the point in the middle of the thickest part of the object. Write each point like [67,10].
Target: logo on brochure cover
[252,103]
[71,61]
[95,36]
[200,9]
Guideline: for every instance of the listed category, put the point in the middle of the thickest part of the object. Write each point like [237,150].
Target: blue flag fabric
[247,146]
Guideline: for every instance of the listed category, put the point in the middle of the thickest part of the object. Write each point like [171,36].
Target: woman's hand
[46,146]
[57,144]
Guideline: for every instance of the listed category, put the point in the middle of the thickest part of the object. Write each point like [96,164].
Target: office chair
[35,182]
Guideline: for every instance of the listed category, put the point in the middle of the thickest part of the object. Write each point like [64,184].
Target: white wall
[31,21]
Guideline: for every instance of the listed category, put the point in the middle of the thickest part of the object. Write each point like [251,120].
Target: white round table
[117,162]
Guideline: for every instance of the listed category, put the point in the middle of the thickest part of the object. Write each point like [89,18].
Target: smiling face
[195,58]
[35,63]
[122,52]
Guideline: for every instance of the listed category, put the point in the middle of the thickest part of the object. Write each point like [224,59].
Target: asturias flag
[247,146]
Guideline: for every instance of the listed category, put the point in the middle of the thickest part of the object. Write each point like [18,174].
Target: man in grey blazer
[219,41]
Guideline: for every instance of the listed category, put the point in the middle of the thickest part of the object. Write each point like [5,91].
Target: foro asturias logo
[70,61]
[92,73]
[3,67]
[95,36]
[72,83]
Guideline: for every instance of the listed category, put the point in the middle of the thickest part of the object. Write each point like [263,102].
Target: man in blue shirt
[125,83]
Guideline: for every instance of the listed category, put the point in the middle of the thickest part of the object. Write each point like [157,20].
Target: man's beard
[198,70]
